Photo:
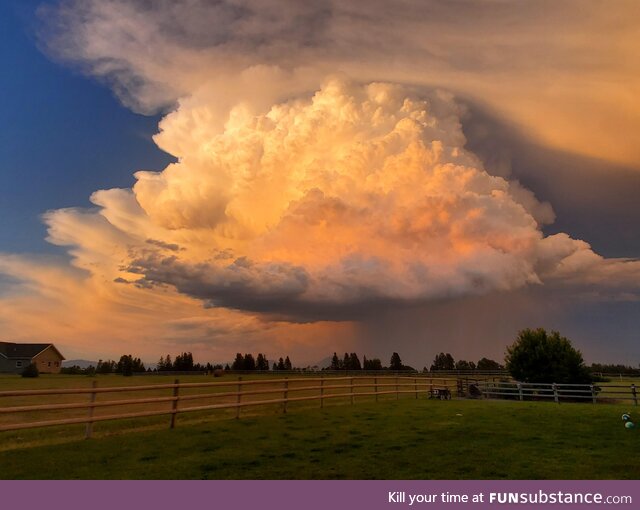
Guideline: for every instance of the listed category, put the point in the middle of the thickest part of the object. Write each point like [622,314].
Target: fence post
[174,403]
[415,385]
[555,393]
[635,396]
[520,391]
[397,390]
[286,394]
[92,398]
[238,398]
[321,391]
[351,389]
[375,386]
[593,393]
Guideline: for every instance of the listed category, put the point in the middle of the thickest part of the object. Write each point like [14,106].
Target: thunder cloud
[308,189]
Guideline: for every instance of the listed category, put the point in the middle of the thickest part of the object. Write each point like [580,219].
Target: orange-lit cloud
[322,208]
[314,186]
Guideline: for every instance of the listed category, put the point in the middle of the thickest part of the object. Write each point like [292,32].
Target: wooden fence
[568,392]
[232,394]
[96,404]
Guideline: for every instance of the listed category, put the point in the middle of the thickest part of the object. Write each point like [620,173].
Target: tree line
[351,361]
[535,356]
[183,362]
[444,361]
[126,365]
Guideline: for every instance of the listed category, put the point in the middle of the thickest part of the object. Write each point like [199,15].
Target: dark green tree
[465,365]
[249,362]
[541,357]
[354,362]
[262,363]
[335,362]
[443,361]
[238,363]
[183,362]
[31,370]
[488,364]
[165,364]
[372,364]
[106,367]
[287,364]
[125,365]
[395,363]
[128,365]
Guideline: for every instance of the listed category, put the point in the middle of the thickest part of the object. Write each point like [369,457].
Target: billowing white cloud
[322,207]
[298,201]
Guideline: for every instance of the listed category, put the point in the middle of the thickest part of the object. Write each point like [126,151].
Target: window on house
[18,364]
[57,364]
[49,364]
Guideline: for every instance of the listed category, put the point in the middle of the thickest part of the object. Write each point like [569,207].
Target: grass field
[298,386]
[404,439]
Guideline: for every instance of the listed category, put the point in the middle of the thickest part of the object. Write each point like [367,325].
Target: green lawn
[256,388]
[405,439]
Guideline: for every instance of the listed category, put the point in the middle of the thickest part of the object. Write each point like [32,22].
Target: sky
[303,178]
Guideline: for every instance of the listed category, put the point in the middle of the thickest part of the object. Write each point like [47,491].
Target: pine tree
[249,362]
[238,363]
[262,363]
[287,364]
[395,363]
[443,362]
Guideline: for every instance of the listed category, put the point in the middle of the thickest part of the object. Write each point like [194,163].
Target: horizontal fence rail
[558,392]
[97,404]
[232,394]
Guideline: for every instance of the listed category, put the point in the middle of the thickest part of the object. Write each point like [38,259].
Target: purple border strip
[303,495]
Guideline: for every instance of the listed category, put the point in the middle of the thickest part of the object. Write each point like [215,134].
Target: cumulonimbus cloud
[321,166]
[563,71]
[358,194]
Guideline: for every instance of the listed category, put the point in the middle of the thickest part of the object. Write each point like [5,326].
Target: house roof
[13,350]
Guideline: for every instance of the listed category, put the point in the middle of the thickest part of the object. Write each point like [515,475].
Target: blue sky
[62,135]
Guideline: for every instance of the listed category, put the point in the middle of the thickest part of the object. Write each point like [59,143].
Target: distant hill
[82,363]
[324,363]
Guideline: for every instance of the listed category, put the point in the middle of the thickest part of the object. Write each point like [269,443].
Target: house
[14,358]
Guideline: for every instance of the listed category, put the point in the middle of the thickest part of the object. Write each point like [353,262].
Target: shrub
[30,371]
[539,357]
